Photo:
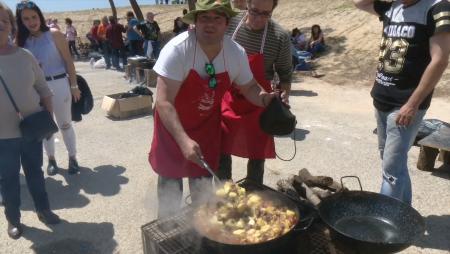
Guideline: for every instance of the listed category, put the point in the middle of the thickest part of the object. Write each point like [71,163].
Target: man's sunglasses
[27,4]
[211,71]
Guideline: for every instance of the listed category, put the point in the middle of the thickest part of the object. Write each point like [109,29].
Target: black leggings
[255,169]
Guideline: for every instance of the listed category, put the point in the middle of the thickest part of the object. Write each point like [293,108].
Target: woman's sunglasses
[23,5]
[211,71]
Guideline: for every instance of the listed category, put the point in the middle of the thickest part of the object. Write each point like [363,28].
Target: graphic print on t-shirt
[405,48]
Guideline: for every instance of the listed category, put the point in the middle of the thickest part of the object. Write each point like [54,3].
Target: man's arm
[365,5]
[439,50]
[283,67]
[255,94]
[165,105]
[137,29]
[63,48]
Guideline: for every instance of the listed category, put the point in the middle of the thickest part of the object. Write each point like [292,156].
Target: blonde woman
[29,89]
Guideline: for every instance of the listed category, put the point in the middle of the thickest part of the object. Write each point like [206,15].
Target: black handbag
[277,119]
[36,126]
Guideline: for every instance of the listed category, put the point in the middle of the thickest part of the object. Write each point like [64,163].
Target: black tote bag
[277,119]
[36,126]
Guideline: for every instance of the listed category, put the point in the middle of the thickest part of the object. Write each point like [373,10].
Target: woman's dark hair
[295,32]
[22,31]
[68,21]
[315,35]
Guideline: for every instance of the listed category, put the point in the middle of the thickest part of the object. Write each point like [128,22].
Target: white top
[177,59]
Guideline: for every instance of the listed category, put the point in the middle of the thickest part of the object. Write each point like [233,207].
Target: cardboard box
[120,108]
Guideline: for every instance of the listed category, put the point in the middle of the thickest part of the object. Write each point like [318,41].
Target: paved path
[104,207]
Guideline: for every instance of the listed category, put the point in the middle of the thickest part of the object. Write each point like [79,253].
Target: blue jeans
[155,47]
[116,54]
[317,48]
[394,143]
[14,153]
[106,50]
[135,48]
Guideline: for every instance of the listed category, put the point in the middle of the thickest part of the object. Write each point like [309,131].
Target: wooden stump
[427,158]
[445,157]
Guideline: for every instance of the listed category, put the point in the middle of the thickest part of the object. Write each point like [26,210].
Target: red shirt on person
[114,35]
[94,33]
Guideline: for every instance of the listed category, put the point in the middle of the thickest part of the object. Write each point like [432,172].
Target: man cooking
[268,48]
[195,69]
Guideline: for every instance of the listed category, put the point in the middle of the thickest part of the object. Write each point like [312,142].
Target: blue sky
[69,5]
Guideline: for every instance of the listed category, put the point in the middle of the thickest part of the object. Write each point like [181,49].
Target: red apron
[242,135]
[198,108]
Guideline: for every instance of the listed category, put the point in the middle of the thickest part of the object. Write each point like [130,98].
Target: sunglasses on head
[23,5]
[211,71]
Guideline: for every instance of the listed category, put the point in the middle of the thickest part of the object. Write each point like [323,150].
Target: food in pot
[238,217]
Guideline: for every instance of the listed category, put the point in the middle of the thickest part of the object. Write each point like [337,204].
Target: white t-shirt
[177,59]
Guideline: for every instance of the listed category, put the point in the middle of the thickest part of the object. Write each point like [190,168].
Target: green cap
[223,6]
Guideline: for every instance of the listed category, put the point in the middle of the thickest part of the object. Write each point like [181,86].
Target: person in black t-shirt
[414,53]
[150,31]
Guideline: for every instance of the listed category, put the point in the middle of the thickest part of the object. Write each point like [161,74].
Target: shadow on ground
[306,93]
[437,236]
[72,238]
[297,135]
[104,180]
[443,171]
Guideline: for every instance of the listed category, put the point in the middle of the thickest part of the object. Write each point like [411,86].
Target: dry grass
[352,35]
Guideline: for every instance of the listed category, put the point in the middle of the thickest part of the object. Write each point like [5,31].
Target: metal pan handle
[304,224]
[357,178]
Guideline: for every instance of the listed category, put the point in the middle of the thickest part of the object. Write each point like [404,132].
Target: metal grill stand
[175,235]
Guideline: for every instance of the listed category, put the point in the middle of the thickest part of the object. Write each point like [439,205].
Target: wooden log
[305,192]
[285,186]
[314,181]
[427,158]
[313,198]
[446,157]
[324,182]
[321,193]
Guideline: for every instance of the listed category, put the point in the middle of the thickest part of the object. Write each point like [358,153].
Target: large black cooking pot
[304,212]
[141,62]
[371,222]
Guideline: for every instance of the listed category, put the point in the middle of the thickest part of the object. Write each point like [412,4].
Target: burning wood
[309,187]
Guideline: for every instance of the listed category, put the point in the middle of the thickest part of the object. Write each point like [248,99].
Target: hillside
[352,35]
